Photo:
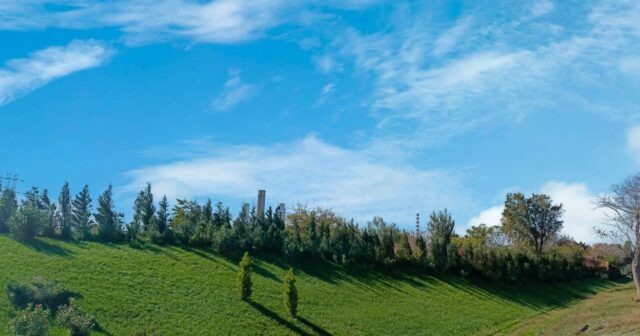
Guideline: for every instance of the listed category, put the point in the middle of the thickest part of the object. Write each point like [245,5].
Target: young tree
[144,209]
[65,210]
[404,249]
[50,215]
[421,249]
[532,220]
[8,205]
[624,219]
[81,213]
[162,216]
[290,293]
[440,228]
[26,222]
[243,280]
[108,220]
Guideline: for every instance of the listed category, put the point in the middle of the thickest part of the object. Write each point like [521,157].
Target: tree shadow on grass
[43,246]
[318,329]
[274,316]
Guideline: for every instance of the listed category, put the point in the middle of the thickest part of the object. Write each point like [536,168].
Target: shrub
[32,321]
[26,223]
[243,280]
[38,291]
[72,317]
[290,293]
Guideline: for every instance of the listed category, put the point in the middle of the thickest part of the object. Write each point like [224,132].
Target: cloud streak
[233,93]
[21,76]
[312,172]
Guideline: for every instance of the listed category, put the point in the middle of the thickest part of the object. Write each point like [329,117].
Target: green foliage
[109,222]
[420,252]
[243,279]
[188,291]
[8,205]
[440,228]
[32,321]
[81,214]
[533,220]
[37,291]
[143,213]
[65,209]
[27,222]
[404,249]
[72,317]
[290,293]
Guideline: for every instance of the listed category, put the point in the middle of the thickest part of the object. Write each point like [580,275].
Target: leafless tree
[624,218]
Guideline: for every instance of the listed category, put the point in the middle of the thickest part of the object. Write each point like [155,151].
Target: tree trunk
[635,270]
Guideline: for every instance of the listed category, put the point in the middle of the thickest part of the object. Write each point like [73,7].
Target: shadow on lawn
[45,247]
[274,316]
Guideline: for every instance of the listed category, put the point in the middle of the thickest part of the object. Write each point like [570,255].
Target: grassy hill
[612,312]
[182,291]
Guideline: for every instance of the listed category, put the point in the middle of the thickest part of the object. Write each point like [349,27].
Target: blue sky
[367,107]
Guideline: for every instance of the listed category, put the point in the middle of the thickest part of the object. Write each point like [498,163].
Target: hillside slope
[180,291]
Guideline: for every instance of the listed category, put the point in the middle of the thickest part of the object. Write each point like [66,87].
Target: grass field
[612,312]
[180,291]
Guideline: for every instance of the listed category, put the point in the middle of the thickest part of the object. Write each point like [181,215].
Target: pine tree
[243,280]
[421,249]
[49,214]
[162,216]
[106,217]
[8,205]
[81,213]
[143,210]
[404,250]
[290,293]
[65,209]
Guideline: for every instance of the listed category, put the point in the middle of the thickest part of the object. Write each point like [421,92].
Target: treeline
[525,247]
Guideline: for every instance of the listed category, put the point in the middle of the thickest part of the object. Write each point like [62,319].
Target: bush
[290,293]
[72,317]
[32,321]
[38,291]
[26,223]
[243,281]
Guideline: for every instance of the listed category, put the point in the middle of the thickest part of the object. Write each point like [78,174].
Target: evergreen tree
[81,213]
[440,227]
[421,249]
[290,293]
[109,222]
[162,216]
[404,249]
[144,210]
[26,222]
[8,205]
[65,210]
[243,280]
[50,215]
[241,228]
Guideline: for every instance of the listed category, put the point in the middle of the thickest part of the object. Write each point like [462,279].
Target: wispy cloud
[21,76]
[233,93]
[494,72]
[352,181]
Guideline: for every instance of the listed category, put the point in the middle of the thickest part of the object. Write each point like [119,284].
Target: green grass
[181,291]
[611,312]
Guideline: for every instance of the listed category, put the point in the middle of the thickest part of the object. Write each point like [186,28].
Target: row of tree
[524,246]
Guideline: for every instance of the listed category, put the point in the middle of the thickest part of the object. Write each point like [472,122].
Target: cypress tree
[81,213]
[290,293]
[243,280]
[162,217]
[106,216]
[8,205]
[65,208]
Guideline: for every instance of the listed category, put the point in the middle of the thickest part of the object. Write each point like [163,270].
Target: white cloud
[497,70]
[541,8]
[309,171]
[580,217]
[233,93]
[448,40]
[633,142]
[21,76]
[490,217]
